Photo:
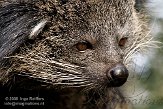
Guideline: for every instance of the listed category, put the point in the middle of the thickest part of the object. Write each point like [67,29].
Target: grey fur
[53,59]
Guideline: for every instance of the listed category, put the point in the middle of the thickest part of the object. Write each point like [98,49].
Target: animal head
[77,43]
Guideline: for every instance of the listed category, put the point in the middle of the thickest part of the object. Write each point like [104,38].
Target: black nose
[117,75]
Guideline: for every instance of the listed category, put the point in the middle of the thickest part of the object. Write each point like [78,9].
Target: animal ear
[18,22]
[37,29]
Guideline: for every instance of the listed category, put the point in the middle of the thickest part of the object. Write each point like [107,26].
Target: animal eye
[122,42]
[83,45]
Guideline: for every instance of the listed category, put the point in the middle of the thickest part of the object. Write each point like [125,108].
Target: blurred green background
[151,96]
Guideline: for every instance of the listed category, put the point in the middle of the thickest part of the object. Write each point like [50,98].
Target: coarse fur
[38,54]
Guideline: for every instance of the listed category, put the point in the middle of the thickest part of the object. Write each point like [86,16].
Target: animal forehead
[95,17]
[99,9]
[116,3]
[103,16]
[107,1]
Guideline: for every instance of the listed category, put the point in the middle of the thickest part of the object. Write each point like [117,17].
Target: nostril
[118,75]
[119,72]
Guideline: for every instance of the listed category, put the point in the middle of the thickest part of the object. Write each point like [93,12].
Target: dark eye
[122,42]
[83,45]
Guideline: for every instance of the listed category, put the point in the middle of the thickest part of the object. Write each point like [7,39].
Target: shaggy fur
[38,54]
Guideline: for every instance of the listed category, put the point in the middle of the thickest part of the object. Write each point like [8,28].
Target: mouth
[117,82]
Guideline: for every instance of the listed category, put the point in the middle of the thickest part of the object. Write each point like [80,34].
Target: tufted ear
[18,22]
[37,29]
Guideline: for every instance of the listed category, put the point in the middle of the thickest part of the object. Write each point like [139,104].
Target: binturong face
[81,43]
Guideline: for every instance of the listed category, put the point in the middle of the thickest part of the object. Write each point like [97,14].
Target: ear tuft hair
[37,29]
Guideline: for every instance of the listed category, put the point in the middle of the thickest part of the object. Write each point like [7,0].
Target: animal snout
[117,75]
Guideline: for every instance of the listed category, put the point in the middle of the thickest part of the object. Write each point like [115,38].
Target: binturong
[74,54]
